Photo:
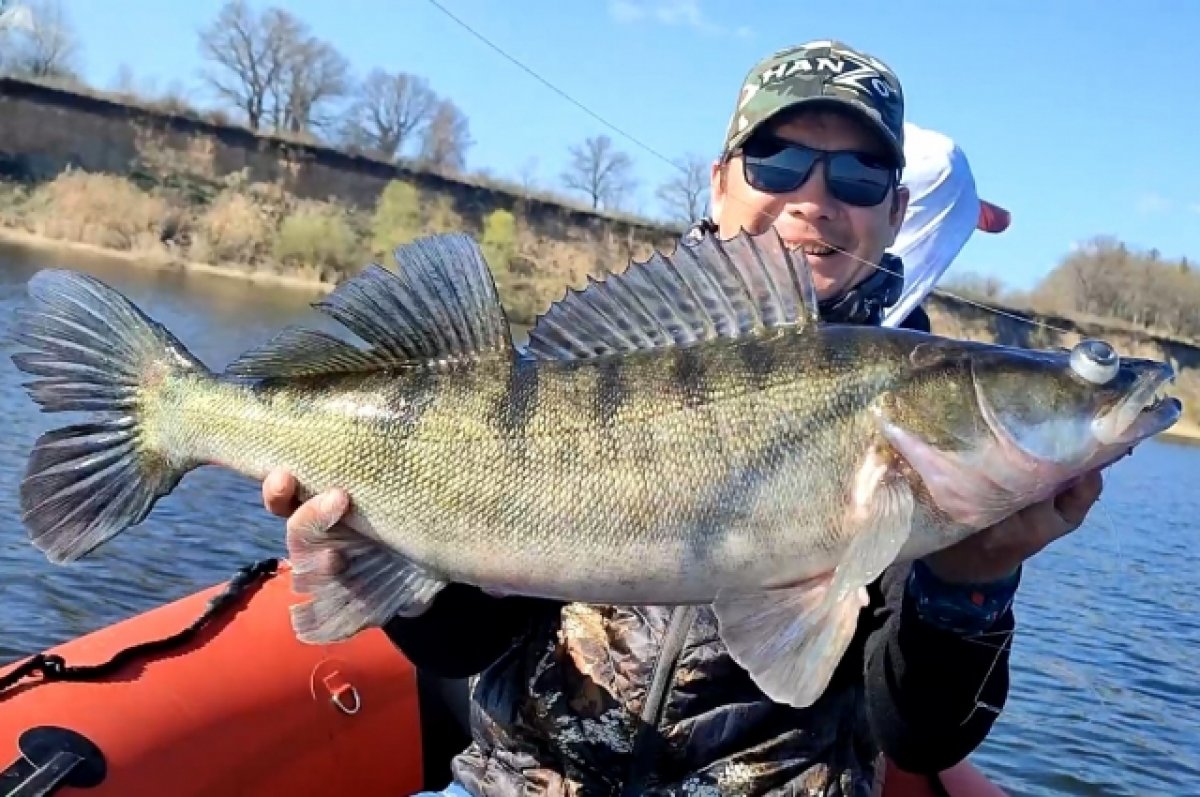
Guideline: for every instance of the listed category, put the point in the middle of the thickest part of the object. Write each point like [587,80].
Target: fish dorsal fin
[439,305]
[704,290]
[298,352]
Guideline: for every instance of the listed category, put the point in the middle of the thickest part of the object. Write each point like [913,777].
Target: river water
[1105,697]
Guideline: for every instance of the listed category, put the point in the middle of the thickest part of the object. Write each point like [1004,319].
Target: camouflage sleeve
[464,630]
[932,694]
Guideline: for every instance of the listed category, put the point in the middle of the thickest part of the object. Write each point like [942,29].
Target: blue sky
[1077,116]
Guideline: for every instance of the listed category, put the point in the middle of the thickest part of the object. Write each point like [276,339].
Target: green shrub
[397,217]
[233,228]
[100,209]
[442,216]
[318,235]
[499,241]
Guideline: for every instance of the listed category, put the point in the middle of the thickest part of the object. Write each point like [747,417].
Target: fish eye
[1095,361]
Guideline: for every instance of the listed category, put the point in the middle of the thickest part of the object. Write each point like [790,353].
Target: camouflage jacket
[588,700]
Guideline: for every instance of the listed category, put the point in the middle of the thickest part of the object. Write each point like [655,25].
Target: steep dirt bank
[172,190]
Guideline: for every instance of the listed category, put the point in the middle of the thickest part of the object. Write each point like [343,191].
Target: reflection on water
[1106,685]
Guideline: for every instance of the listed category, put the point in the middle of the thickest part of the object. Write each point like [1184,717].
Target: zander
[685,432]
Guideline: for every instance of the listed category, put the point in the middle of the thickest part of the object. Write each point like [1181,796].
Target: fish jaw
[1142,414]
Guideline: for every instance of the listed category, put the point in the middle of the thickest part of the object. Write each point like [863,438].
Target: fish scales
[446,472]
[685,432]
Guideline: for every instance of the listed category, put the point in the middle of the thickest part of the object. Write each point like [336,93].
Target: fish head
[992,429]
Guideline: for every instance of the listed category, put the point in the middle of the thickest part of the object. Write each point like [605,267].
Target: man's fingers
[1058,517]
[319,514]
[313,518]
[1074,504]
[279,493]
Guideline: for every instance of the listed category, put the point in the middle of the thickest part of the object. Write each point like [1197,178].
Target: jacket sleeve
[465,630]
[933,693]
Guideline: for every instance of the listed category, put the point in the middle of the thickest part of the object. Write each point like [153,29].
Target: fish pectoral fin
[791,639]
[372,585]
[878,523]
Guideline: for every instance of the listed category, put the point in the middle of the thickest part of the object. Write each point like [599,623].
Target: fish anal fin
[705,290]
[354,583]
[791,639]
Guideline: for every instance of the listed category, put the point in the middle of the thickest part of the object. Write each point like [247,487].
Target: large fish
[687,432]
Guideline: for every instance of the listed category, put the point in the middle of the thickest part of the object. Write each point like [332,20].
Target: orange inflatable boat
[213,695]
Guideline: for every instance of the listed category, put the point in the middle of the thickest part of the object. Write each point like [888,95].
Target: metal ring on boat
[336,697]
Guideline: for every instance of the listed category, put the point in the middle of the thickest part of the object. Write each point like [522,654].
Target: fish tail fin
[100,354]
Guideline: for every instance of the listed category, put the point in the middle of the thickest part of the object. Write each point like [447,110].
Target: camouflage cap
[820,72]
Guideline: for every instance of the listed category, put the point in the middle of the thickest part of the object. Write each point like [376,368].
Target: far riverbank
[55,247]
[266,238]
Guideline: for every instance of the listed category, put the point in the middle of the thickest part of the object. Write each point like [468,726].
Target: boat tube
[213,694]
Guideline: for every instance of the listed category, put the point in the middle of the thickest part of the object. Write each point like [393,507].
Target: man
[943,212]
[589,700]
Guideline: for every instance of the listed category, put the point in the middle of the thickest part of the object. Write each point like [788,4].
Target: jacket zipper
[645,744]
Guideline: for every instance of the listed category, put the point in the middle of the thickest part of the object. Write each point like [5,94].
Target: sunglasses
[775,166]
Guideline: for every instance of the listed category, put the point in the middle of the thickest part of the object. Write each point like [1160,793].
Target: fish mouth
[1145,412]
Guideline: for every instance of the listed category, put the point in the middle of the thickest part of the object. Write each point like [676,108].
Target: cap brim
[992,217]
[897,149]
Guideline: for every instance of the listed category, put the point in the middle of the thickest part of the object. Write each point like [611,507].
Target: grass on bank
[260,228]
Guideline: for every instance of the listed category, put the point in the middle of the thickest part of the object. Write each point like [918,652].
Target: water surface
[1106,682]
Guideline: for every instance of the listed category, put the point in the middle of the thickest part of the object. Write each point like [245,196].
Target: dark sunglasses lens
[856,182]
[778,169]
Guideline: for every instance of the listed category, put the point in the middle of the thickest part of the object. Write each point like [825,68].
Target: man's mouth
[817,249]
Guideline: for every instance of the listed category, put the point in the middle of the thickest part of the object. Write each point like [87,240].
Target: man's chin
[832,274]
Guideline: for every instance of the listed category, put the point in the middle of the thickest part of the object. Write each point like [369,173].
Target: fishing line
[980,639]
[639,143]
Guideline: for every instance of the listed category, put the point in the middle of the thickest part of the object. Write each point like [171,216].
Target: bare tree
[685,196]
[313,75]
[389,109]
[272,68]
[41,41]
[248,56]
[601,171]
[446,138]
[1105,278]
[123,81]
[527,175]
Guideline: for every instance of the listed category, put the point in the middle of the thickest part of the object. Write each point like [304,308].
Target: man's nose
[812,199]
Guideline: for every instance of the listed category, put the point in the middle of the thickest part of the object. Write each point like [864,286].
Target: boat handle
[340,690]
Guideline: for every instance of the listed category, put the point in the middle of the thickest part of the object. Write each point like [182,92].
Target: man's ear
[899,207]
[716,189]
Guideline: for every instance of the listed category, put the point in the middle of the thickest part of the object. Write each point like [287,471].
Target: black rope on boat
[52,667]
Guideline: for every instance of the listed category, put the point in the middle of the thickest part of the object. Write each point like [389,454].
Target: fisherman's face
[843,242]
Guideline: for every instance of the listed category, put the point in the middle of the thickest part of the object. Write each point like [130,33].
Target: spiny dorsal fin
[703,291]
[440,304]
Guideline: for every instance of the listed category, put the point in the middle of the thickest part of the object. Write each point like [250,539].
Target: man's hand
[999,550]
[320,513]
